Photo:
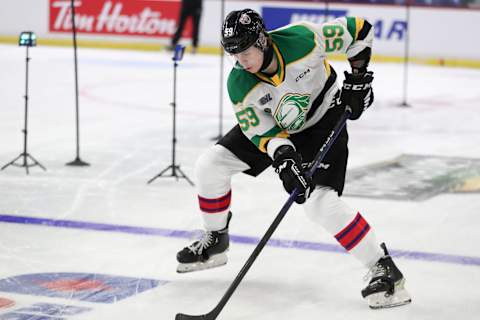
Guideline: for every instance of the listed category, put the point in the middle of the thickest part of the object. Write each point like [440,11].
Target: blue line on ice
[279,243]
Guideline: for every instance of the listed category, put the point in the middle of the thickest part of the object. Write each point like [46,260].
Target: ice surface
[125,134]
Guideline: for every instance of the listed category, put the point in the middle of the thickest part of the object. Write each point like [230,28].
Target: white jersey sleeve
[348,35]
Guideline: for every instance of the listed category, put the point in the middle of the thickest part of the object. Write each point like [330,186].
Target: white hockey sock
[214,170]
[359,239]
[348,226]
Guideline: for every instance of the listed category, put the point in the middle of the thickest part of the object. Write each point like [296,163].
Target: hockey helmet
[242,29]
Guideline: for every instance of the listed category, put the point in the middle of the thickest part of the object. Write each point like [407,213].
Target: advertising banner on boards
[118,17]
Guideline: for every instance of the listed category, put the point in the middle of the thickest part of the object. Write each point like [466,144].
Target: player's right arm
[260,128]
[249,104]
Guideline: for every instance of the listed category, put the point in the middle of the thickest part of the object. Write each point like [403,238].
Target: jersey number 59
[333,40]
[247,118]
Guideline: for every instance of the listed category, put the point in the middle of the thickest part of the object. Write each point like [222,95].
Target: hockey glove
[288,164]
[357,92]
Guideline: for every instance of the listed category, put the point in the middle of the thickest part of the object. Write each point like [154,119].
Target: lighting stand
[25,156]
[404,103]
[175,169]
[77,162]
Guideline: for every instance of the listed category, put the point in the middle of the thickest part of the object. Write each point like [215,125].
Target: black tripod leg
[36,162]
[183,175]
[160,174]
[12,162]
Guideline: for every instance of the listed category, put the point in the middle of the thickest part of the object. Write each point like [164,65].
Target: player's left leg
[348,226]
[352,231]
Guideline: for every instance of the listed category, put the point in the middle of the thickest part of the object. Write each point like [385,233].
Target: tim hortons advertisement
[117,17]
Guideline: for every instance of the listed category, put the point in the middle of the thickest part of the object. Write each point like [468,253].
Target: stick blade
[182,316]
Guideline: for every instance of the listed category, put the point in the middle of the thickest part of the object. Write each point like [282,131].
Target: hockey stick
[212,315]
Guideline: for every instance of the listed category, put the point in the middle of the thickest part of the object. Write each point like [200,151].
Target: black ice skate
[208,252]
[386,286]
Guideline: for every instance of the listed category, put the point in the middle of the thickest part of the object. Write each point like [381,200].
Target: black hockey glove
[288,164]
[357,92]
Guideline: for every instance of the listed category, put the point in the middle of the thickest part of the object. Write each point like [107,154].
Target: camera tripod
[175,169]
[25,156]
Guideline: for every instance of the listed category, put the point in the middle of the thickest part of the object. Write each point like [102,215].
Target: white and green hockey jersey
[274,107]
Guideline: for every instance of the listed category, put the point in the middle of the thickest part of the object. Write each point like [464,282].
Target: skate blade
[217,260]
[381,300]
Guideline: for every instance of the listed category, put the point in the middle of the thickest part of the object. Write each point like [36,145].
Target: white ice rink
[52,252]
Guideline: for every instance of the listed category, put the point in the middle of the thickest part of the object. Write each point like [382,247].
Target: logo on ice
[144,18]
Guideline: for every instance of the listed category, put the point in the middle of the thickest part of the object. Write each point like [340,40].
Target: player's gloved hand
[357,92]
[288,164]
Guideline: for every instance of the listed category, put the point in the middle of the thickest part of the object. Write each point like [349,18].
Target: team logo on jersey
[291,112]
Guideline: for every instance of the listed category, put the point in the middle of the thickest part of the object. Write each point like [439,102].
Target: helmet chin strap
[267,57]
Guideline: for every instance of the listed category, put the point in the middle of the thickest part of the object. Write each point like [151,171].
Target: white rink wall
[436,33]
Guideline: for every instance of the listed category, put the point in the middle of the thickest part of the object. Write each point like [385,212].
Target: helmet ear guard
[263,41]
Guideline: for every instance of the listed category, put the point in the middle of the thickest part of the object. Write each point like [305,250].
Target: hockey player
[286,100]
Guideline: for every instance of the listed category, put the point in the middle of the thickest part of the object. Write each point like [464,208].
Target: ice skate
[386,286]
[206,253]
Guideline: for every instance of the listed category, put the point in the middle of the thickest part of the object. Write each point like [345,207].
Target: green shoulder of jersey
[294,43]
